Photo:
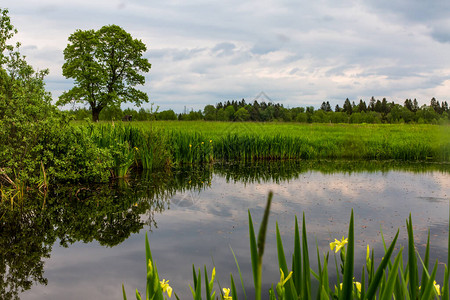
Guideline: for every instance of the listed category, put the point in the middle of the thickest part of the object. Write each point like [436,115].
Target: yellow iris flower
[226,294]
[166,287]
[356,283]
[437,287]
[338,244]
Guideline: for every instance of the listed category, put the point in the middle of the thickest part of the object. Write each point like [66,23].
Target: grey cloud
[264,47]
[203,51]
[175,54]
[413,10]
[225,48]
[441,35]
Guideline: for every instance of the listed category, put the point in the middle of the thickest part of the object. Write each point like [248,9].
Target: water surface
[86,246]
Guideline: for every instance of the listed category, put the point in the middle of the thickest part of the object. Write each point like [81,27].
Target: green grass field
[247,140]
[214,130]
[165,143]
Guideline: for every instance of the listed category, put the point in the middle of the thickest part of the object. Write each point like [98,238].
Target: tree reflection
[105,213]
[279,171]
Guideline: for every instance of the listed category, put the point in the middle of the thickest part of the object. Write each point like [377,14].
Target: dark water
[87,241]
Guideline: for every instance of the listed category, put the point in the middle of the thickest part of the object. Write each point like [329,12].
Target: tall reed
[131,147]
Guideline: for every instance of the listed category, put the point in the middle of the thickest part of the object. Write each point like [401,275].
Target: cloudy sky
[298,52]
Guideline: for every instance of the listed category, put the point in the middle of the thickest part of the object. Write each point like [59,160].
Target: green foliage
[129,147]
[32,131]
[106,65]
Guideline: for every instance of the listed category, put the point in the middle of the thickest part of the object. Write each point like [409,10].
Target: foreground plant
[389,280]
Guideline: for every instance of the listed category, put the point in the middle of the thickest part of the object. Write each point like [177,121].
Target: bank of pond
[155,145]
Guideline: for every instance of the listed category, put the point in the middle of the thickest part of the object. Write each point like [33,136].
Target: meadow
[190,142]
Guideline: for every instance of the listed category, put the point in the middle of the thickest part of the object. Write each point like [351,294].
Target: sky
[300,53]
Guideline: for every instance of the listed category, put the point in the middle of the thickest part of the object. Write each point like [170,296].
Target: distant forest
[375,111]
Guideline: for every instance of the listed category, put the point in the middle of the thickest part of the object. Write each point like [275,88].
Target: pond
[84,242]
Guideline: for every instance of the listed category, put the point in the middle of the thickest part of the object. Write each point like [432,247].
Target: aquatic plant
[387,280]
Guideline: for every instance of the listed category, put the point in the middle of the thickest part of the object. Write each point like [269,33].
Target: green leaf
[429,290]
[392,278]
[263,227]
[138,296]
[240,274]
[445,293]
[123,293]
[194,276]
[349,262]
[306,273]
[283,266]
[412,261]
[380,271]
[254,254]
[297,259]
[424,279]
[208,291]
[233,288]
[198,287]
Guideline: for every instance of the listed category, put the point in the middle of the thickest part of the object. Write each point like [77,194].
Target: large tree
[106,65]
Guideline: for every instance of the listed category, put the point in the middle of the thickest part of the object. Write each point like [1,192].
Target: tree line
[376,111]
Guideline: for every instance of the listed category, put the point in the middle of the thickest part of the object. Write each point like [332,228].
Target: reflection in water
[205,212]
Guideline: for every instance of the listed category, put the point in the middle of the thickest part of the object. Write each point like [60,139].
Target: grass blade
[233,288]
[240,273]
[306,273]
[347,288]
[380,271]
[412,261]
[392,278]
[254,256]
[297,259]
[424,279]
[123,293]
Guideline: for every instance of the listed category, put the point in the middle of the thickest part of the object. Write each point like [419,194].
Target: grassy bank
[256,141]
[154,145]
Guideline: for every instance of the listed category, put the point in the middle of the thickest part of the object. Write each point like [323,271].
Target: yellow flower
[338,244]
[368,253]
[166,287]
[150,267]
[210,141]
[282,279]
[202,143]
[190,146]
[280,285]
[437,287]
[356,283]
[226,294]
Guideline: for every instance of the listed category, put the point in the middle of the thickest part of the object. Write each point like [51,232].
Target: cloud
[300,52]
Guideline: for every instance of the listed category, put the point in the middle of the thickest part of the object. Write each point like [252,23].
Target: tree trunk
[95,114]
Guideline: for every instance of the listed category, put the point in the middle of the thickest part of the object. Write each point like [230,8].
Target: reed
[387,280]
[130,147]
[157,145]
